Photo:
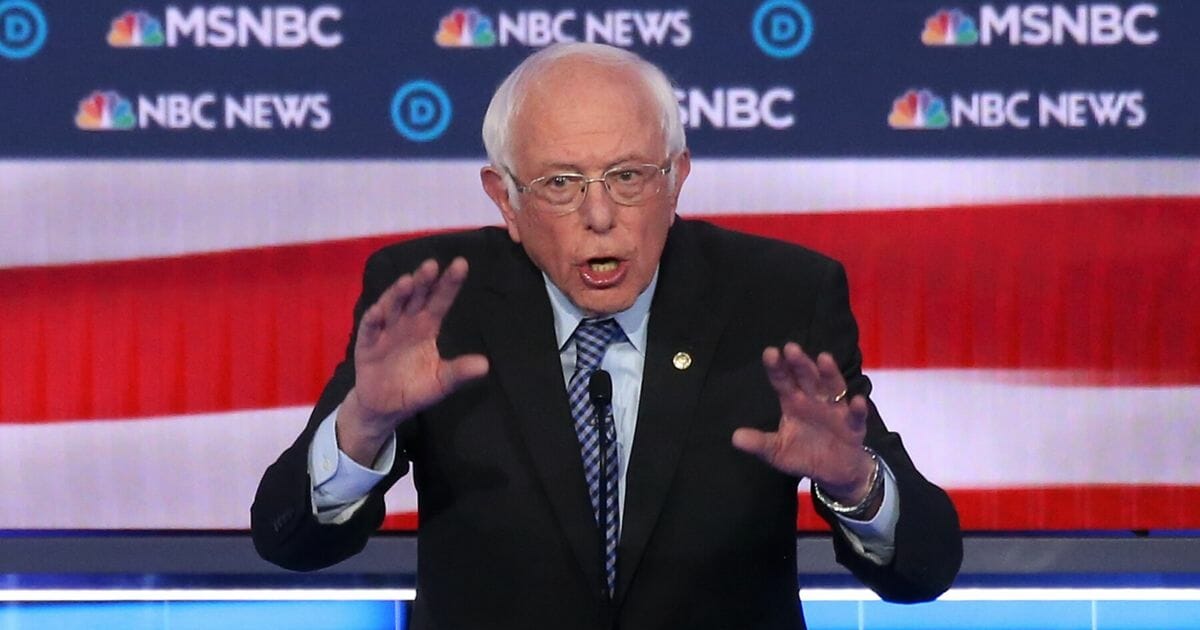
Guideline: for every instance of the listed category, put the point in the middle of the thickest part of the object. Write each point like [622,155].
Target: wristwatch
[858,510]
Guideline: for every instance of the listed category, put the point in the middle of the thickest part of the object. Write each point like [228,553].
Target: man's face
[583,117]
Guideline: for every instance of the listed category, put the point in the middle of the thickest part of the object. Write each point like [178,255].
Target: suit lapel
[518,330]
[685,317]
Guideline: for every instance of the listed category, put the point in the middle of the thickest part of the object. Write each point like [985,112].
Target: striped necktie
[592,338]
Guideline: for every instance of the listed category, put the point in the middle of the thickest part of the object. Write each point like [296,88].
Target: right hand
[398,368]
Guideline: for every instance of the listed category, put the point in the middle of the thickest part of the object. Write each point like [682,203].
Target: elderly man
[734,371]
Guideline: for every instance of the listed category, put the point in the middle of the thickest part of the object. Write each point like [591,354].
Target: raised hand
[398,368]
[820,436]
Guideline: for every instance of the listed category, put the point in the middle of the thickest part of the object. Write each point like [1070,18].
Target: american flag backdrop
[1032,326]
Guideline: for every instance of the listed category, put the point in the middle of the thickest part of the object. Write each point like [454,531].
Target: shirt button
[327,464]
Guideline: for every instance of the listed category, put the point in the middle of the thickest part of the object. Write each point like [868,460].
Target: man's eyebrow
[626,159]
[564,167]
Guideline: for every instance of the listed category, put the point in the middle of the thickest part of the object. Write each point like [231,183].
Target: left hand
[817,437]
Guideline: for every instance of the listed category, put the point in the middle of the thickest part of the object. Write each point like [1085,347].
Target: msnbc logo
[465,28]
[135,30]
[918,109]
[949,28]
[105,111]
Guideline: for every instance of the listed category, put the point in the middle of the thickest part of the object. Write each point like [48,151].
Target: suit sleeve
[283,523]
[928,550]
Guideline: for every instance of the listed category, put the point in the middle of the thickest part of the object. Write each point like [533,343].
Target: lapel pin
[682,360]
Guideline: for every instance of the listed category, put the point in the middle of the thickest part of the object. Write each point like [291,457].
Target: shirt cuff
[340,485]
[875,539]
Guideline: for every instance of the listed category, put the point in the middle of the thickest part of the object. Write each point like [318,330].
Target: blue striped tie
[592,338]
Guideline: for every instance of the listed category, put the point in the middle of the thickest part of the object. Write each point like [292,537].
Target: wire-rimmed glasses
[627,185]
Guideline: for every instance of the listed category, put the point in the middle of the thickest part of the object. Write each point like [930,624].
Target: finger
[802,370]
[858,414]
[423,279]
[455,372]
[392,301]
[371,325]
[446,290]
[758,443]
[830,376]
[777,373]
[389,305]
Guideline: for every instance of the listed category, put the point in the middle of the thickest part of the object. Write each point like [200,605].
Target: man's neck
[633,320]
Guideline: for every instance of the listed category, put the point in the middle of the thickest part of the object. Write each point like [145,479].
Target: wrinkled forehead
[581,109]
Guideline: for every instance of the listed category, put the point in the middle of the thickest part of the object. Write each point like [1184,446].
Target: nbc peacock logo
[918,109]
[950,27]
[465,28]
[135,29]
[105,111]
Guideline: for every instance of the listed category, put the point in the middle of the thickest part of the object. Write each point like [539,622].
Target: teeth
[608,265]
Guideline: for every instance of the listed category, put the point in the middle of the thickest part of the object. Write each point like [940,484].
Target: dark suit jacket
[507,538]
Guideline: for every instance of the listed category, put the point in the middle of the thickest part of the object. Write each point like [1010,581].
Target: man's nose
[599,211]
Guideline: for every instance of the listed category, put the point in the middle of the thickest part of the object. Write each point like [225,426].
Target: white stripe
[995,428]
[196,471]
[58,212]
[964,428]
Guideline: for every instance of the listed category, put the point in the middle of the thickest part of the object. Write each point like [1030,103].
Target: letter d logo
[22,29]
[782,28]
[421,110]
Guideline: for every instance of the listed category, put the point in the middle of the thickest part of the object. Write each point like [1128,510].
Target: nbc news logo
[918,109]
[465,28]
[105,111]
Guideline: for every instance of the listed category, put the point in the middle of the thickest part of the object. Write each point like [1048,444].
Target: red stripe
[1108,290]
[1069,507]
[1128,507]
[1056,508]
[217,332]
[400,522]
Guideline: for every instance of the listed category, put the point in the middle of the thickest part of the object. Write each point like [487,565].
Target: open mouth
[603,272]
[603,265]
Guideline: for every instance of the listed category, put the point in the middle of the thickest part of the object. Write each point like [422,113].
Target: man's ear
[496,188]
[683,166]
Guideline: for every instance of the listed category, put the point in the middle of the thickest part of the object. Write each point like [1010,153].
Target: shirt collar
[633,320]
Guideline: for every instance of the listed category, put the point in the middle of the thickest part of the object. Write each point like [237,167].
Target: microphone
[600,389]
[600,392]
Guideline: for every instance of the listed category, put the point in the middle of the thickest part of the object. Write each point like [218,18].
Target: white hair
[506,102]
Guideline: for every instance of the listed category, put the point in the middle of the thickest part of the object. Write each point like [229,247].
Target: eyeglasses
[563,193]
